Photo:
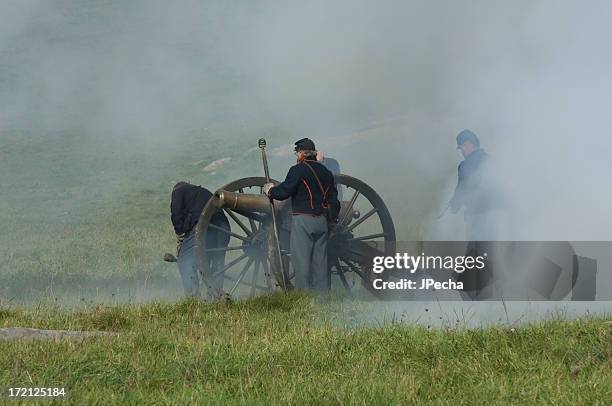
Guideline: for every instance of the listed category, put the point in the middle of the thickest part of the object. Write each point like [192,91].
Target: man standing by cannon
[314,201]
[187,204]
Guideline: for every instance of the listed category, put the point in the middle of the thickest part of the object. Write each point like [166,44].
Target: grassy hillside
[289,349]
[95,215]
[88,218]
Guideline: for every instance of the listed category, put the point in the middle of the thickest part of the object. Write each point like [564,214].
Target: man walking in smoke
[187,204]
[314,201]
[474,191]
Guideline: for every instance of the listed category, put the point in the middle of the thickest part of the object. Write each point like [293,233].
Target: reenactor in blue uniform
[474,190]
[314,202]
[187,204]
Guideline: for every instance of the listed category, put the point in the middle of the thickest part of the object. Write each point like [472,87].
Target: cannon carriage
[251,262]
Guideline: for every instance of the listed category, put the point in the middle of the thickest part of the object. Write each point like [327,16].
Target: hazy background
[104,104]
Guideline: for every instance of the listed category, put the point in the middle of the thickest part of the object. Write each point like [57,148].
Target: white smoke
[383,86]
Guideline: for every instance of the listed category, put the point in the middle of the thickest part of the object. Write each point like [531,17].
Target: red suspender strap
[324,191]
[309,192]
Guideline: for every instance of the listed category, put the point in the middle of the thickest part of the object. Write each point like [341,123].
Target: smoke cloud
[124,90]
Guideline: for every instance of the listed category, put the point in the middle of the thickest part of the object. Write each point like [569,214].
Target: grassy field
[104,105]
[95,216]
[293,349]
[89,218]
[81,250]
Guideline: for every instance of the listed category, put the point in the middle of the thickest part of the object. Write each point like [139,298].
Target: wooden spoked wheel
[365,229]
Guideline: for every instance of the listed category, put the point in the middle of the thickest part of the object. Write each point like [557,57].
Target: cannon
[258,257]
[251,265]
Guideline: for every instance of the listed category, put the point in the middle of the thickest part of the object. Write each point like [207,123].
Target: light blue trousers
[309,252]
[187,265]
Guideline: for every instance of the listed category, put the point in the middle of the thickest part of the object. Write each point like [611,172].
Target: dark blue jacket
[473,188]
[187,204]
[305,192]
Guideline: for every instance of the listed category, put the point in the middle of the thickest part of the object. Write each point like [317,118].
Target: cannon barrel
[245,202]
[259,203]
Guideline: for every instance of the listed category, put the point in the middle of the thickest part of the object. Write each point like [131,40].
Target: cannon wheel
[364,229]
[246,260]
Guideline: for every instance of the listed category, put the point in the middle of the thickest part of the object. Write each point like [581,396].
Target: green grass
[288,349]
